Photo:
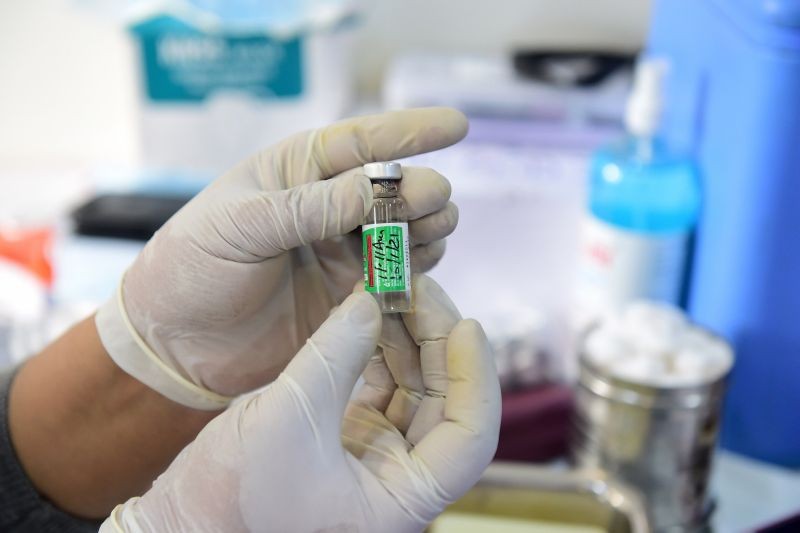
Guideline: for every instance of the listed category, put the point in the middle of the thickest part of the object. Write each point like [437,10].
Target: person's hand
[297,457]
[228,290]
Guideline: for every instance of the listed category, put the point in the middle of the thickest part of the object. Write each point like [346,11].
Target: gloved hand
[295,457]
[229,289]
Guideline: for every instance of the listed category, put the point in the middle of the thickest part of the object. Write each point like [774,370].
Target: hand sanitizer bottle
[644,201]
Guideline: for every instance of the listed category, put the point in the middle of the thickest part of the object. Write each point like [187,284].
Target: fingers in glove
[430,324]
[435,218]
[424,190]
[369,436]
[435,226]
[269,223]
[402,358]
[325,152]
[322,375]
[458,450]
[426,193]
[379,385]
[426,256]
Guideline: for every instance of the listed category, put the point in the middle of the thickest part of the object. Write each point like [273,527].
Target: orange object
[30,248]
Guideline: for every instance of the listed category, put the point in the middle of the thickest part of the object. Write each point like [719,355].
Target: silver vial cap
[386,170]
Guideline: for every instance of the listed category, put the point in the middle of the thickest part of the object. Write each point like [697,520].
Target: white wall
[492,26]
[66,86]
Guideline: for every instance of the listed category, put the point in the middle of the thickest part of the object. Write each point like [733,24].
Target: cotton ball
[605,346]
[645,367]
[715,354]
[688,365]
[655,344]
[654,326]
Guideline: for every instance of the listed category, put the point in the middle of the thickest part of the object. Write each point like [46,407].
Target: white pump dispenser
[643,111]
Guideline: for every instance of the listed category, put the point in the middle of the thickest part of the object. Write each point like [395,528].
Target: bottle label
[184,64]
[619,266]
[387,262]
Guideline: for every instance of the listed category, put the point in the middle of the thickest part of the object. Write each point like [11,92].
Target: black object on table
[126,216]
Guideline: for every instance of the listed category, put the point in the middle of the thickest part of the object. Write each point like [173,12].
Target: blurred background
[70,92]
[626,197]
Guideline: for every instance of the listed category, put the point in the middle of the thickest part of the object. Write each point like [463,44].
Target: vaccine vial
[387,261]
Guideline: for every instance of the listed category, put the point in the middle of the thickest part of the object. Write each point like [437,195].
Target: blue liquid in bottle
[644,201]
[639,186]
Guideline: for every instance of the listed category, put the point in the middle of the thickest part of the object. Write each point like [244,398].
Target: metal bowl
[521,497]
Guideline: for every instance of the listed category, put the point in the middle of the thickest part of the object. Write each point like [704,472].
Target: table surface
[751,493]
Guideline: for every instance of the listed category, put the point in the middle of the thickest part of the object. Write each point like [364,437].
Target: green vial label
[386,258]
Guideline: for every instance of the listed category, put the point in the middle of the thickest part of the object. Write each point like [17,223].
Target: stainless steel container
[659,440]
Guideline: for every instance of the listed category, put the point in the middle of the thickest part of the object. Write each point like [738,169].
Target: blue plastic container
[734,98]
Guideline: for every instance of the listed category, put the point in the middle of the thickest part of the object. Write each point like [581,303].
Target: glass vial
[387,260]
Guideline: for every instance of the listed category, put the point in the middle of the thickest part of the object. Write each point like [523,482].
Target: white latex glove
[229,289]
[295,457]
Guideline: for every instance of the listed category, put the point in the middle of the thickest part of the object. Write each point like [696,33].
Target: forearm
[88,435]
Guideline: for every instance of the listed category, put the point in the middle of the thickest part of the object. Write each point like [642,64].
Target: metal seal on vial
[384,170]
